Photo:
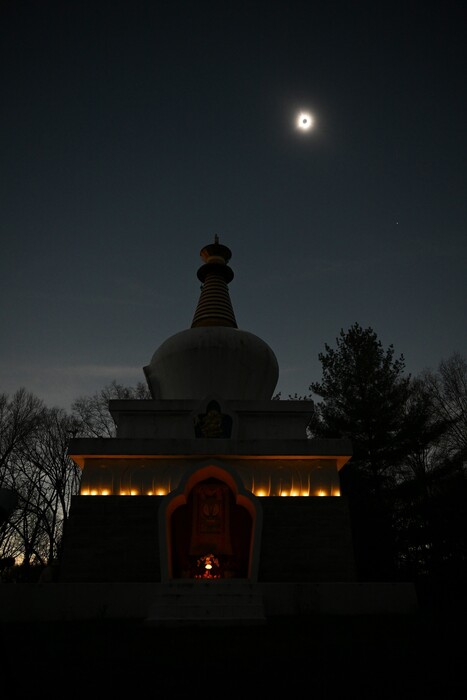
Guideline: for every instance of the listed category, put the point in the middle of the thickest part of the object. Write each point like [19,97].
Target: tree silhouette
[367,397]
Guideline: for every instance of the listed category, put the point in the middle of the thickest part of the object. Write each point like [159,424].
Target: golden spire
[214,306]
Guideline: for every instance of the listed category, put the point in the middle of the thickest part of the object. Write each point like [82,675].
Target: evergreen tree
[364,394]
[364,397]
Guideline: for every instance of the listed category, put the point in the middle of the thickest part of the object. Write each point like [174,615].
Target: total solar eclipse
[305,121]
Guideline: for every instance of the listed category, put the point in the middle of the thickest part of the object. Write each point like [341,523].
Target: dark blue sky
[133,132]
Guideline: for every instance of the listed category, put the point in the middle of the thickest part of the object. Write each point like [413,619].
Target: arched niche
[210,512]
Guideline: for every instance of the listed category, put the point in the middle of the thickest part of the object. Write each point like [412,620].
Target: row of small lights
[260,493]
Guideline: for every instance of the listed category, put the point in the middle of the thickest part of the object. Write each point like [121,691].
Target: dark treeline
[406,482]
[407,479]
[38,479]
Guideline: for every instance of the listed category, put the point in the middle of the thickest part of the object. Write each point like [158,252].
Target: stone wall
[306,539]
[111,539]
[116,539]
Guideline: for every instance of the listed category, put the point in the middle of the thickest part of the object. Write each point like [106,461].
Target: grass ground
[422,655]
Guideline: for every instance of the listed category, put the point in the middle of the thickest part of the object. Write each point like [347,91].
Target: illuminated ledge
[260,493]
[125,448]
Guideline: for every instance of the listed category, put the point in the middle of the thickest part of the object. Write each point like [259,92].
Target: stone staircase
[206,603]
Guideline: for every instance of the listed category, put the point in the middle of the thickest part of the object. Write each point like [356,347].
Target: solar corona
[305,121]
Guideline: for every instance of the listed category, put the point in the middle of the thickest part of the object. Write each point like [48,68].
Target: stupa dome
[213,357]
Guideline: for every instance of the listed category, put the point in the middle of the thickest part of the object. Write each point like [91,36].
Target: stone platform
[157,602]
[207,603]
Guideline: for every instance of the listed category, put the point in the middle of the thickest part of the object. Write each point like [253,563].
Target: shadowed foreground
[405,656]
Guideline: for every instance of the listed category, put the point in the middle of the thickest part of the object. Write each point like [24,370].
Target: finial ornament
[216,238]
